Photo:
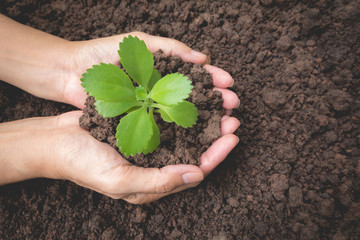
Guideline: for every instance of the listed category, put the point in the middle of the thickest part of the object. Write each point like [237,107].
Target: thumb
[171,47]
[104,48]
[158,180]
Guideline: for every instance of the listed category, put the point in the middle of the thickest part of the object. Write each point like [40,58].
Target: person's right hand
[56,147]
[85,54]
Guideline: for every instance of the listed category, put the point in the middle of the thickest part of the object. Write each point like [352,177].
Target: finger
[221,78]
[217,152]
[171,47]
[230,99]
[106,47]
[141,198]
[69,119]
[228,125]
[155,180]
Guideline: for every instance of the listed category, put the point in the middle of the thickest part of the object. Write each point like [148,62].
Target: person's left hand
[57,147]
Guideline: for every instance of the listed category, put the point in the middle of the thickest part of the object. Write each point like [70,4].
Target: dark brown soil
[294,174]
[178,145]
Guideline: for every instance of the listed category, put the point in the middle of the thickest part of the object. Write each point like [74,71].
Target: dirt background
[295,172]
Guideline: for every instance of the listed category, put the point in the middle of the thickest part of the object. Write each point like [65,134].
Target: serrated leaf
[134,132]
[107,82]
[137,60]
[141,93]
[156,76]
[171,89]
[154,141]
[183,114]
[113,109]
[165,116]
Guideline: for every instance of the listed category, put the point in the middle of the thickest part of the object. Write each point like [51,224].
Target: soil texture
[295,172]
[178,145]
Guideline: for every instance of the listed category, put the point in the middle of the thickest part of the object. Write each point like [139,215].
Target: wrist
[32,60]
[25,150]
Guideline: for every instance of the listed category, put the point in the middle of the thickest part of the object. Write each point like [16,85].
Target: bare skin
[56,147]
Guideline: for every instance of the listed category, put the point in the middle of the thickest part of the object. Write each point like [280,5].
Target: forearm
[31,59]
[23,147]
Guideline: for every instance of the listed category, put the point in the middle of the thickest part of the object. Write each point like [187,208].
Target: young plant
[115,94]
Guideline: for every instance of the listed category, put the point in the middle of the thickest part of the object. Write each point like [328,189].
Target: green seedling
[115,94]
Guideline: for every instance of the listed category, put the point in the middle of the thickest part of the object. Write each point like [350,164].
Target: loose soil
[295,172]
[178,145]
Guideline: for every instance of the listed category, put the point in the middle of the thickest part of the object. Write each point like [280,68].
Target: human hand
[56,147]
[51,67]
[84,54]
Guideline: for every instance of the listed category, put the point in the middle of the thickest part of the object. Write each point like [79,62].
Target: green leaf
[134,132]
[137,60]
[107,82]
[155,138]
[113,109]
[183,114]
[156,76]
[165,116]
[171,89]
[141,93]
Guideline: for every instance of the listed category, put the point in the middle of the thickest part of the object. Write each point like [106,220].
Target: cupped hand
[85,54]
[57,147]
[92,164]
[108,172]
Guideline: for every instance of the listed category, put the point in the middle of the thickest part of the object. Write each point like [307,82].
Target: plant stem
[151,110]
[156,105]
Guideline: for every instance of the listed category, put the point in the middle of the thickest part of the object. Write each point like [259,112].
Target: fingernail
[197,54]
[238,104]
[192,177]
[232,84]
